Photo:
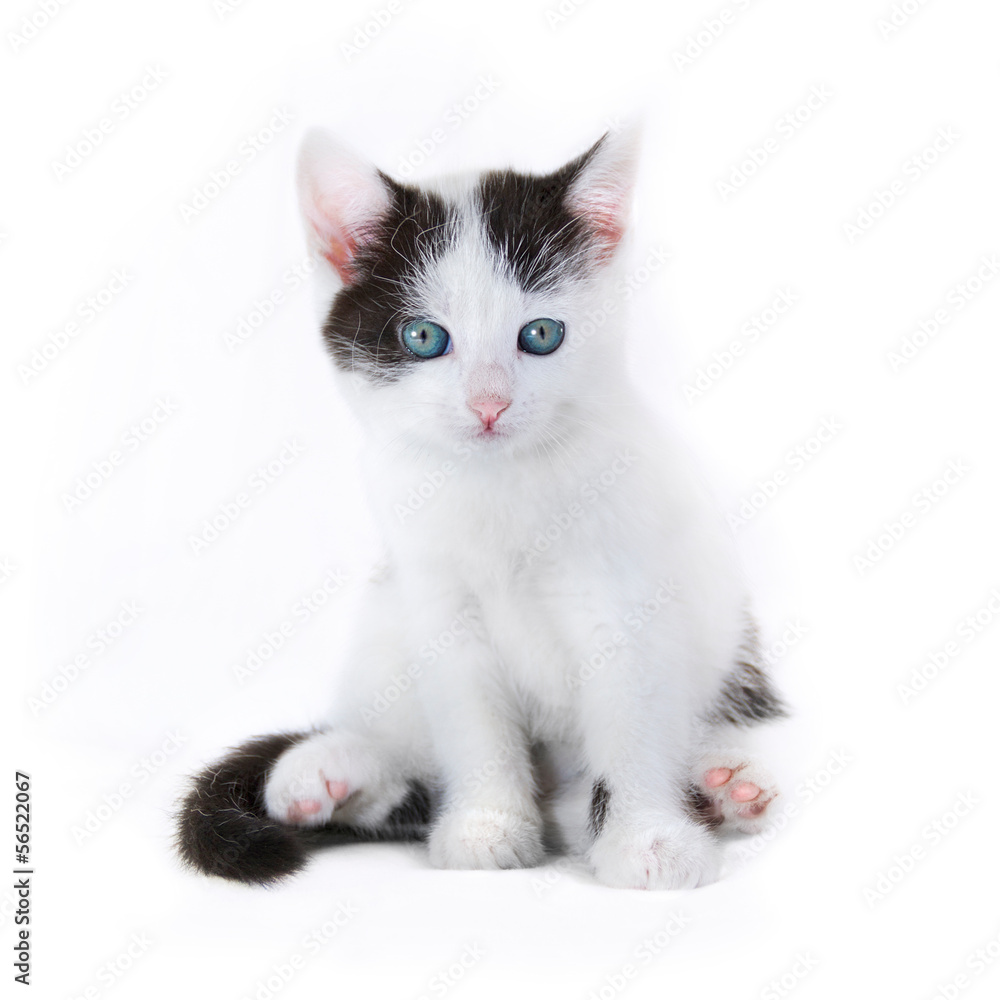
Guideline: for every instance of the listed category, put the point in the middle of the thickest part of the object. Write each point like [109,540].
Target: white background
[555,83]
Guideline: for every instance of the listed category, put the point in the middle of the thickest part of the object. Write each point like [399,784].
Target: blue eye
[425,339]
[541,336]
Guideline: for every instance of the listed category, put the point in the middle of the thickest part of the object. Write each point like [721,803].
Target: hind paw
[332,777]
[735,790]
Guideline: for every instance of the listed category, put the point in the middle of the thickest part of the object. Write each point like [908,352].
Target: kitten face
[457,270]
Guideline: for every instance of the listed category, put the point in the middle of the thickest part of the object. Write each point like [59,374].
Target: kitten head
[469,310]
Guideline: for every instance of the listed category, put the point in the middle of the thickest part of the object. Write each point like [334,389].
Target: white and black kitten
[558,648]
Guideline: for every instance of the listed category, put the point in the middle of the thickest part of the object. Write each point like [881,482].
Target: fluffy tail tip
[222,828]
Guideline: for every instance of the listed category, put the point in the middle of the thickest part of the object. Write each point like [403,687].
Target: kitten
[558,648]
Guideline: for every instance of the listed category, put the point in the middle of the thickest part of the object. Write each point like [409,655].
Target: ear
[343,200]
[601,191]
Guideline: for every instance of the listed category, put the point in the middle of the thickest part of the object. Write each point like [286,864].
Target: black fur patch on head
[362,327]
[747,695]
[527,221]
[599,800]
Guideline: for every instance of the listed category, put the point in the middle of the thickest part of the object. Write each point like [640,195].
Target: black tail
[222,828]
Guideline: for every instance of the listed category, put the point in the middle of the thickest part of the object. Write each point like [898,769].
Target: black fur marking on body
[702,808]
[362,327]
[599,800]
[408,821]
[223,829]
[527,221]
[747,695]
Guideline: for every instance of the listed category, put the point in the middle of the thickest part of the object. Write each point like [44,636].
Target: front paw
[676,854]
[486,838]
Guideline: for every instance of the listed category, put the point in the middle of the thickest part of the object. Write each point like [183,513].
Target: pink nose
[488,410]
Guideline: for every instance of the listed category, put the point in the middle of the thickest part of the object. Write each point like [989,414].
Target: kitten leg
[636,744]
[569,815]
[458,720]
[490,818]
[728,784]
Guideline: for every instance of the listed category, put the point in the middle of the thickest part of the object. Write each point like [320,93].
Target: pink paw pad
[739,794]
[744,791]
[301,808]
[338,791]
[717,776]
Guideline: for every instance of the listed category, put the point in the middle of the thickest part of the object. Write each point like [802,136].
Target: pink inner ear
[606,222]
[601,192]
[333,239]
[342,200]
[340,253]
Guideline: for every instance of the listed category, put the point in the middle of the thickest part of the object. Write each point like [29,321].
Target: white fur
[489,629]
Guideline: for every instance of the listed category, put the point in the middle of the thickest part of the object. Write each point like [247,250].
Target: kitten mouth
[493,433]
